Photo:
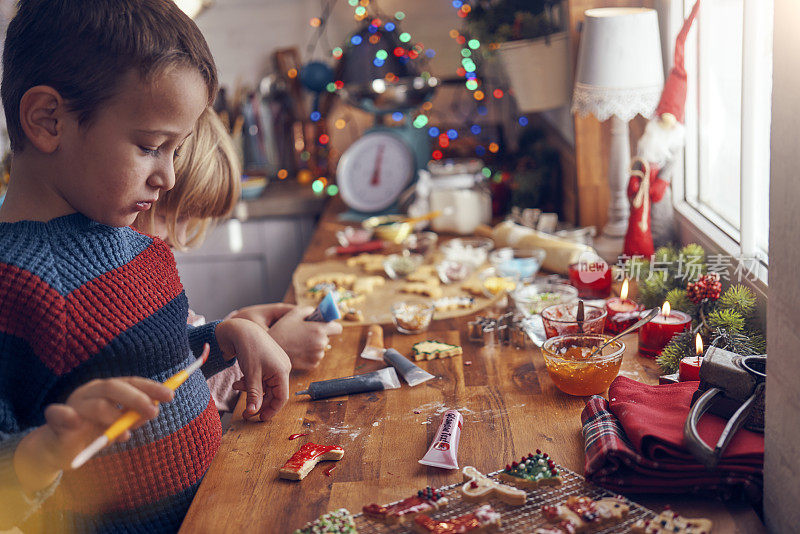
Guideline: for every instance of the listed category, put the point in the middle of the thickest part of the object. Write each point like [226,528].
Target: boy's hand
[263,362]
[264,315]
[72,426]
[304,341]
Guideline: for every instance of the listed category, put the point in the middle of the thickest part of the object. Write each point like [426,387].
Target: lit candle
[622,311]
[689,368]
[656,334]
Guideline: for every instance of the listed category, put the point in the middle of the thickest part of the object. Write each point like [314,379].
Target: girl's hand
[304,341]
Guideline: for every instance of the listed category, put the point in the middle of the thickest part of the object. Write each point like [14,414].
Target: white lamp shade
[619,64]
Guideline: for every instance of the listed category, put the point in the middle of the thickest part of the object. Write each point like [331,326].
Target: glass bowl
[451,271]
[388,227]
[531,299]
[494,284]
[567,362]
[559,319]
[412,316]
[519,263]
[401,265]
[422,243]
[352,235]
[472,250]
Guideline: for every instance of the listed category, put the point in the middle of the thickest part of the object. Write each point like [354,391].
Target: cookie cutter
[508,329]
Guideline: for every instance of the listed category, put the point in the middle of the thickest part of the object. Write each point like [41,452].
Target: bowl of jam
[574,371]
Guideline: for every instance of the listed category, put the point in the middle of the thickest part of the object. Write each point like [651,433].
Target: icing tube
[327,310]
[385,378]
[411,373]
[444,448]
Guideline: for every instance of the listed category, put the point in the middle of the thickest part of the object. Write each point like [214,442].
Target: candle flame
[698,344]
[623,294]
[665,309]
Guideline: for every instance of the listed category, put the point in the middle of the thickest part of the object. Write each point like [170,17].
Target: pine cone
[707,286]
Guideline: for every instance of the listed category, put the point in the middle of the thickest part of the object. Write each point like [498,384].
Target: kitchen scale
[375,170]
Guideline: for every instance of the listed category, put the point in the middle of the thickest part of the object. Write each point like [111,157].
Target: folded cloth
[634,443]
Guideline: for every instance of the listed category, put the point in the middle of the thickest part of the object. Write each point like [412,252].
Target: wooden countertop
[510,408]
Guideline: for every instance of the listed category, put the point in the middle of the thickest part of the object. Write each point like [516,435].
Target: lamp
[619,75]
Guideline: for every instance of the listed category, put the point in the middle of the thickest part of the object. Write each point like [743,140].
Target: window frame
[696,221]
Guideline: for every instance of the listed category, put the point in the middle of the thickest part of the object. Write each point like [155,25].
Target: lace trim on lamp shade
[603,102]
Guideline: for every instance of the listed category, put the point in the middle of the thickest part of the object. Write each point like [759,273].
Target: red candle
[689,367]
[655,335]
[592,279]
[622,311]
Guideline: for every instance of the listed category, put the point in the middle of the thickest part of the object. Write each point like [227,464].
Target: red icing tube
[444,449]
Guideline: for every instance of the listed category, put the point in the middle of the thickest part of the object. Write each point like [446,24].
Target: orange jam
[573,373]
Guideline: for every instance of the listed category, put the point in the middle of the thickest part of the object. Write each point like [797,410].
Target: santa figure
[656,153]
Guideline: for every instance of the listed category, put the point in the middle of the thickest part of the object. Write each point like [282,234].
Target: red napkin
[634,443]
[654,416]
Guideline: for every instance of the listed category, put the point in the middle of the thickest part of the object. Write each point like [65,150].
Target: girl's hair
[207,184]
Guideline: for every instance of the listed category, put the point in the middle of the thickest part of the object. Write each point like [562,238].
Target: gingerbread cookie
[453,303]
[669,521]
[473,287]
[479,487]
[479,520]
[427,500]
[430,350]
[354,315]
[367,284]
[422,289]
[371,263]
[583,514]
[532,471]
[424,275]
[303,461]
[349,299]
[337,279]
[338,522]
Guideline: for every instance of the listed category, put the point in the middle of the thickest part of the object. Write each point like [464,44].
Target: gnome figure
[651,169]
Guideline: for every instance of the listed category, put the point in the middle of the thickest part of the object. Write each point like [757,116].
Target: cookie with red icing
[479,520]
[427,500]
[303,461]
[584,514]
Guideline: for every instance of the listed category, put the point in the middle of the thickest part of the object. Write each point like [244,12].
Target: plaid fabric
[613,461]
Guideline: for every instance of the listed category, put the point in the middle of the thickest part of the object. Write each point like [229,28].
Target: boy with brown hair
[99,95]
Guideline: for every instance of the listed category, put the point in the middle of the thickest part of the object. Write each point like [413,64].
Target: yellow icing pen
[131,417]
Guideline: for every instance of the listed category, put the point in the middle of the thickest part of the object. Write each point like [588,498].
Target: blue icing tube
[327,310]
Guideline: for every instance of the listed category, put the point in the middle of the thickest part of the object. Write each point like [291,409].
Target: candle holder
[656,334]
[622,313]
[591,279]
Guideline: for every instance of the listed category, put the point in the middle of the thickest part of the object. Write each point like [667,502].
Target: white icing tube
[411,372]
[444,449]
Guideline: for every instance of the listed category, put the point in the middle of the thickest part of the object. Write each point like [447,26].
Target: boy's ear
[41,113]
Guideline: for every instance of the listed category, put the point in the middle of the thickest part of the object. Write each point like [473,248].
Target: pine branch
[679,300]
[679,347]
[738,298]
[728,320]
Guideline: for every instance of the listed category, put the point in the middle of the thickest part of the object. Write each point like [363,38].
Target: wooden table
[510,408]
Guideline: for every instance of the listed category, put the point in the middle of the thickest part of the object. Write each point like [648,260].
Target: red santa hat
[673,98]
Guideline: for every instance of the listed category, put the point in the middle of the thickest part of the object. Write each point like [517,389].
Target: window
[724,192]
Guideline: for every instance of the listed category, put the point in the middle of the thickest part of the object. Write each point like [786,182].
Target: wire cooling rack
[525,518]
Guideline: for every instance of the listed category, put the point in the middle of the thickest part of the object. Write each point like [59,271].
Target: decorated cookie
[427,500]
[419,288]
[303,461]
[338,522]
[479,520]
[425,274]
[430,350]
[532,471]
[479,487]
[371,263]
[367,284]
[337,279]
[473,287]
[583,514]
[453,303]
[349,300]
[669,521]
[318,292]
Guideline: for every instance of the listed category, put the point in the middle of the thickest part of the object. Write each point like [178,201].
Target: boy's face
[116,166]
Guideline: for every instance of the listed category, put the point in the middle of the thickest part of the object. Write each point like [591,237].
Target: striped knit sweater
[80,300]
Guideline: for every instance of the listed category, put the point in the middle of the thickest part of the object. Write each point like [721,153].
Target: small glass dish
[353,235]
[494,284]
[472,250]
[422,243]
[519,263]
[401,265]
[412,316]
[531,299]
[559,319]
[573,372]
[451,271]
[388,227]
